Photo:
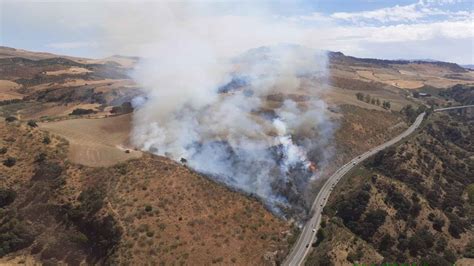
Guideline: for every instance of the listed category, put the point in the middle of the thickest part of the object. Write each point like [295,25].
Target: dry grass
[338,96]
[48,111]
[171,214]
[413,76]
[167,212]
[339,243]
[6,52]
[361,129]
[70,71]
[394,225]
[68,82]
[126,62]
[465,262]
[395,79]
[95,142]
[20,260]
[8,90]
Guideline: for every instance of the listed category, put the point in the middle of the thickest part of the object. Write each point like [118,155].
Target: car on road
[314,229]
[353,163]
[307,245]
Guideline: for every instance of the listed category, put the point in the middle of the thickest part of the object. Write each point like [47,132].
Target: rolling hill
[74,190]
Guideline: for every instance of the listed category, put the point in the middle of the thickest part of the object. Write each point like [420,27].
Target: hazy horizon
[439,30]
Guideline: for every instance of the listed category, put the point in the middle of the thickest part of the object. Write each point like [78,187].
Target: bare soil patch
[70,71]
[413,76]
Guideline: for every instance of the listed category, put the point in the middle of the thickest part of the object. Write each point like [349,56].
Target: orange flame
[312,167]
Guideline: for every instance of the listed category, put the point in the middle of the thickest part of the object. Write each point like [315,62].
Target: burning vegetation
[216,129]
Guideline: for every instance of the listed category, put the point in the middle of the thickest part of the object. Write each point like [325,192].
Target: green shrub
[399,202]
[3,150]
[78,238]
[386,243]
[372,221]
[435,259]
[80,111]
[46,140]
[7,196]
[325,260]
[323,223]
[150,234]
[92,200]
[9,162]
[456,226]
[355,256]
[421,242]
[48,171]
[319,237]
[11,119]
[351,209]
[14,235]
[438,224]
[41,157]
[441,244]
[32,123]
[449,256]
[102,233]
[121,168]
[126,107]
[470,193]
[469,251]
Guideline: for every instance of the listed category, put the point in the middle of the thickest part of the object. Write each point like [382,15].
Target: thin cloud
[96,29]
[389,14]
[422,11]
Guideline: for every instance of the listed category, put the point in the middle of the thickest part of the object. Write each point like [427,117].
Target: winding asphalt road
[453,108]
[303,245]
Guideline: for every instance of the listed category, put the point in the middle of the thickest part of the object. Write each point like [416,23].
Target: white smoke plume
[254,121]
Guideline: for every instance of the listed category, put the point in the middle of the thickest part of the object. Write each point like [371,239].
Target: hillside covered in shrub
[407,204]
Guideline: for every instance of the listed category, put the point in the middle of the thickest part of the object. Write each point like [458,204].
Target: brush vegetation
[410,204]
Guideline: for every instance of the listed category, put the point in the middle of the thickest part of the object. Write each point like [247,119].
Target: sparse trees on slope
[386,105]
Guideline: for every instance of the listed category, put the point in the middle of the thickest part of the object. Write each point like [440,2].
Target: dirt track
[95,142]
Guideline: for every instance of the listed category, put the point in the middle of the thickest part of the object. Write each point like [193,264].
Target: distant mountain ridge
[120,60]
[338,56]
[334,56]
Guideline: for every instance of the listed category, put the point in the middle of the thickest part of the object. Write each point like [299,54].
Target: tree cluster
[80,111]
[101,233]
[411,113]
[7,196]
[352,209]
[124,108]
[14,234]
[372,100]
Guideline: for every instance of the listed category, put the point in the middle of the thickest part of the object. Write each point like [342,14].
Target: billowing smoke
[254,121]
[247,122]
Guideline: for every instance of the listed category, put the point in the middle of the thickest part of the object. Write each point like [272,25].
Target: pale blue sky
[429,29]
